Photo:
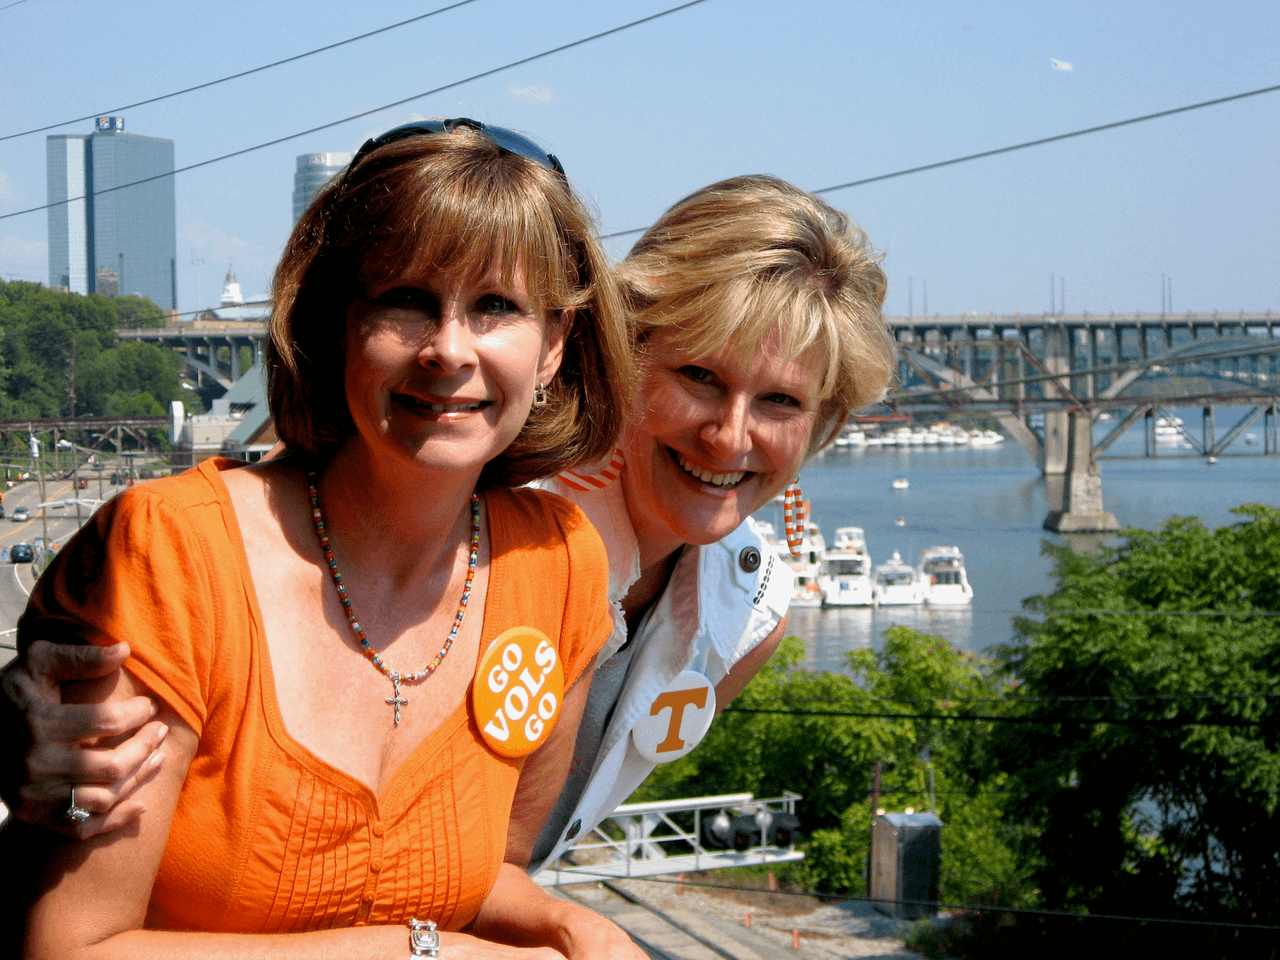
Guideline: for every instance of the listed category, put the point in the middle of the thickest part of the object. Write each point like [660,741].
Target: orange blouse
[266,837]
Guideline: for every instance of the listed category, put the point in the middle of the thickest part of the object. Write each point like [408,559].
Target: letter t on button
[677,700]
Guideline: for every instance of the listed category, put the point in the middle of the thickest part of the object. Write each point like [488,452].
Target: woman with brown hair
[359,678]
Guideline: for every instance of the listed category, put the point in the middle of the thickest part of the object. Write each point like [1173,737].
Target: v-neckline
[264,677]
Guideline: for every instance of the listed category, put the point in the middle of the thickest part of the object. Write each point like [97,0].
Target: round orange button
[517,691]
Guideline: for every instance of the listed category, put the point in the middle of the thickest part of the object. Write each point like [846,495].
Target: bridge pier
[1054,451]
[1082,486]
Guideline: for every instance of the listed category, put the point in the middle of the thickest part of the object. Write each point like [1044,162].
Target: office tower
[314,171]
[105,237]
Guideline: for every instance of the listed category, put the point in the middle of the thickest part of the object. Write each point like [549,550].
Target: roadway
[58,523]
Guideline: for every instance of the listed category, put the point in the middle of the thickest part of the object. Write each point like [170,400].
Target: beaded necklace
[396,678]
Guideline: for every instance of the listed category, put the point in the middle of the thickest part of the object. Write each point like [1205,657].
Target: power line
[966,906]
[1003,718]
[14,4]
[1100,612]
[1053,139]
[1016,146]
[947,701]
[1160,613]
[370,112]
[235,76]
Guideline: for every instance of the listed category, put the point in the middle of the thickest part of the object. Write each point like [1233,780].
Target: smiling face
[713,439]
[440,369]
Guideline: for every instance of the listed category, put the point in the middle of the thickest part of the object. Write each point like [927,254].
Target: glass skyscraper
[109,238]
[313,172]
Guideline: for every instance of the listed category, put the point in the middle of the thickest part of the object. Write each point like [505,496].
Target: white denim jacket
[720,602]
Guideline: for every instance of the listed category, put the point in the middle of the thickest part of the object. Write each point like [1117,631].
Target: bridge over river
[1045,377]
[1048,377]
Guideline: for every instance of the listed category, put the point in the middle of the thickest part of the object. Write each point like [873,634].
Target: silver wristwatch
[423,939]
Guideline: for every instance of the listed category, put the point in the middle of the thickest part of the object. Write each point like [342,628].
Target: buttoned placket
[368,894]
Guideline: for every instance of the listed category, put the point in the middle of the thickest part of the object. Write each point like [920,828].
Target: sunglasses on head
[508,140]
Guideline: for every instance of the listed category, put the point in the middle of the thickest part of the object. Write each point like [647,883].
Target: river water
[991,503]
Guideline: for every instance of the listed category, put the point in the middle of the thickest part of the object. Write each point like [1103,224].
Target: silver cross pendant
[397,700]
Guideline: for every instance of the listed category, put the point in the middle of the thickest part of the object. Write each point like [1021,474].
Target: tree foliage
[1132,768]
[42,331]
[787,732]
[1164,801]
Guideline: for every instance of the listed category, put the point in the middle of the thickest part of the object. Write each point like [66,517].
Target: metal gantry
[646,839]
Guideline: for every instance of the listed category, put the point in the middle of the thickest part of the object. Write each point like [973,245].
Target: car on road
[21,553]
[21,515]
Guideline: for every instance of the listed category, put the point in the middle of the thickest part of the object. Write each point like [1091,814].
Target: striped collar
[586,482]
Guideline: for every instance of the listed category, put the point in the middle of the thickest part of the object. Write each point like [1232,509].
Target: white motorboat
[848,579]
[896,583]
[901,483]
[809,568]
[985,438]
[943,577]
[1171,431]
[851,436]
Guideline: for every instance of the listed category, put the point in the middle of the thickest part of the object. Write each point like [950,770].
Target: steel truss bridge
[1047,378]
[116,437]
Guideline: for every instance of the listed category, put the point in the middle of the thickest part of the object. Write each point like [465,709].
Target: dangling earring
[793,516]
[540,395]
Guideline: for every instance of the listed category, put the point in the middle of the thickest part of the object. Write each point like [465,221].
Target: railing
[646,839]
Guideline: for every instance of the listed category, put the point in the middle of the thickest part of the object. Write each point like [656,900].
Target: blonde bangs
[754,260]
[746,313]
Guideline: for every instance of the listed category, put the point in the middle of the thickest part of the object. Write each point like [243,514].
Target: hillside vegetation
[45,335]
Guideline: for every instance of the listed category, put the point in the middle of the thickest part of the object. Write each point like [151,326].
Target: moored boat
[848,578]
[1171,431]
[943,577]
[895,582]
[810,567]
[851,436]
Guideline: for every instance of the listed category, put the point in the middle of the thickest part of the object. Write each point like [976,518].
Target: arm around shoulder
[51,744]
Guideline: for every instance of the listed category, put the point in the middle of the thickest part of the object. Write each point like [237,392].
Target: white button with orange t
[517,691]
[678,720]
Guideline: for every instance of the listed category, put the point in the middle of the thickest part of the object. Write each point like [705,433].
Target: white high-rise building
[314,171]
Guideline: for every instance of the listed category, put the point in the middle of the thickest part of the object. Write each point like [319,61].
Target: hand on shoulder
[105,751]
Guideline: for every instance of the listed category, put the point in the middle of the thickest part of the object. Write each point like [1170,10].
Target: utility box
[906,854]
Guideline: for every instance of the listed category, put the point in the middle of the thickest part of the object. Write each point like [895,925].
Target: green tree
[821,735]
[1152,789]
[48,334]
[135,312]
[133,378]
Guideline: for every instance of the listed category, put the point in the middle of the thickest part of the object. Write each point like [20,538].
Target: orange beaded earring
[793,516]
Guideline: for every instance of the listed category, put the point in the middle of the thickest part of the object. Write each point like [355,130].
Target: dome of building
[231,296]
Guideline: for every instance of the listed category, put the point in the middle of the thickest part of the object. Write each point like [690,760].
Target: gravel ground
[826,930]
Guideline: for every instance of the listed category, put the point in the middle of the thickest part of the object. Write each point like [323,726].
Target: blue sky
[819,92]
